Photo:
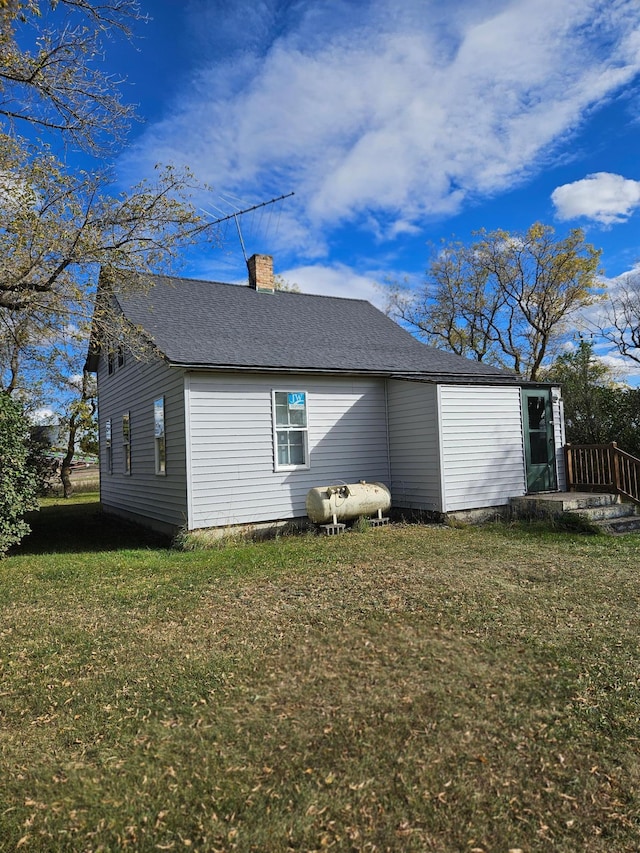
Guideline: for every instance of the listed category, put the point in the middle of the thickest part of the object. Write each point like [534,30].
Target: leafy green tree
[281,283]
[621,407]
[598,410]
[18,486]
[507,299]
[583,378]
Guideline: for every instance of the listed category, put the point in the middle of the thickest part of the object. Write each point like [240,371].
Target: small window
[159,436]
[290,430]
[107,441]
[126,442]
[115,357]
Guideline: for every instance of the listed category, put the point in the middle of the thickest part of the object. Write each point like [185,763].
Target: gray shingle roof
[211,324]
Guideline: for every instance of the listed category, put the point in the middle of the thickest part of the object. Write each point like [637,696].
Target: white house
[248,397]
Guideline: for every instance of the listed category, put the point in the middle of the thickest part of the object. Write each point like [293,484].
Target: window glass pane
[296,448]
[298,417]
[126,443]
[536,407]
[282,410]
[161,461]
[297,404]
[158,417]
[538,446]
[291,408]
[291,449]
[158,432]
[284,453]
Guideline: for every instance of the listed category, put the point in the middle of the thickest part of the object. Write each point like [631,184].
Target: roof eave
[417,375]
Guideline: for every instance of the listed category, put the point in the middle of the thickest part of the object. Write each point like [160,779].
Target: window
[126,442]
[107,437]
[289,410]
[115,357]
[158,433]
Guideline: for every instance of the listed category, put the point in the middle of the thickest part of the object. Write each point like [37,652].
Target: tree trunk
[65,468]
[75,423]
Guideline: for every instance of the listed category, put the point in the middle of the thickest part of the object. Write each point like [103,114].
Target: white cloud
[623,369]
[334,279]
[339,280]
[604,197]
[404,110]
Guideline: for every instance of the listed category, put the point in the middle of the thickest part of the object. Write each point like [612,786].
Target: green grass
[407,688]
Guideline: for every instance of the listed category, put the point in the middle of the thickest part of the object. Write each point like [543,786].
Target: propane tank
[346,501]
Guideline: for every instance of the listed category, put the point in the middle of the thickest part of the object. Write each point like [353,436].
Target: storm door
[539,445]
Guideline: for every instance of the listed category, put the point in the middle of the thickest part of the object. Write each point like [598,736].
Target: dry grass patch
[408,689]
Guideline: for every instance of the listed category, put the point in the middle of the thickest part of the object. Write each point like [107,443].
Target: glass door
[538,440]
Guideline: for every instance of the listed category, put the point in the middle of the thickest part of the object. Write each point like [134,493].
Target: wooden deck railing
[602,467]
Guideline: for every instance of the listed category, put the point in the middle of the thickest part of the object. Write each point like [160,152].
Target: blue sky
[395,124]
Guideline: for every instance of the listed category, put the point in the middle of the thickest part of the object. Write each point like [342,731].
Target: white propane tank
[346,501]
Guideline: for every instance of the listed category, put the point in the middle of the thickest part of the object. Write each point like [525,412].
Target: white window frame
[277,466]
[126,444]
[108,445]
[159,437]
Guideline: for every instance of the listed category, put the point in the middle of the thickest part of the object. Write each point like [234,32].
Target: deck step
[611,514]
[620,526]
[602,513]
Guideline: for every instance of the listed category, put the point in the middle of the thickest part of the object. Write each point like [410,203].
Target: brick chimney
[261,272]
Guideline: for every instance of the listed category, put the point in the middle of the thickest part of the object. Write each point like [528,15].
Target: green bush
[18,484]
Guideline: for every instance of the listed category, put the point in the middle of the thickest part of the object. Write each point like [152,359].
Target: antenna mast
[238,213]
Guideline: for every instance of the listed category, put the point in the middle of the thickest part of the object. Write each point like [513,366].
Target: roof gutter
[417,376]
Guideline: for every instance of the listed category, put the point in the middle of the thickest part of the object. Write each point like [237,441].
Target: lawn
[409,688]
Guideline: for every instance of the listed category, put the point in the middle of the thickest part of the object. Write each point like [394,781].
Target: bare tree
[506,299]
[58,226]
[621,326]
[51,69]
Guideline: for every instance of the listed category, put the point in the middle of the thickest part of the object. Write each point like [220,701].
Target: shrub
[18,484]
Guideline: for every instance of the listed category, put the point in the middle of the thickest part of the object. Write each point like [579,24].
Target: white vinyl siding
[414,445]
[482,446]
[559,437]
[142,495]
[232,476]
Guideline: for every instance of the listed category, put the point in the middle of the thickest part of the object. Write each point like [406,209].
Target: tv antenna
[238,213]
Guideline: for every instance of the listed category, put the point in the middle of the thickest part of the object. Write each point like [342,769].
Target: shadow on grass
[77,527]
